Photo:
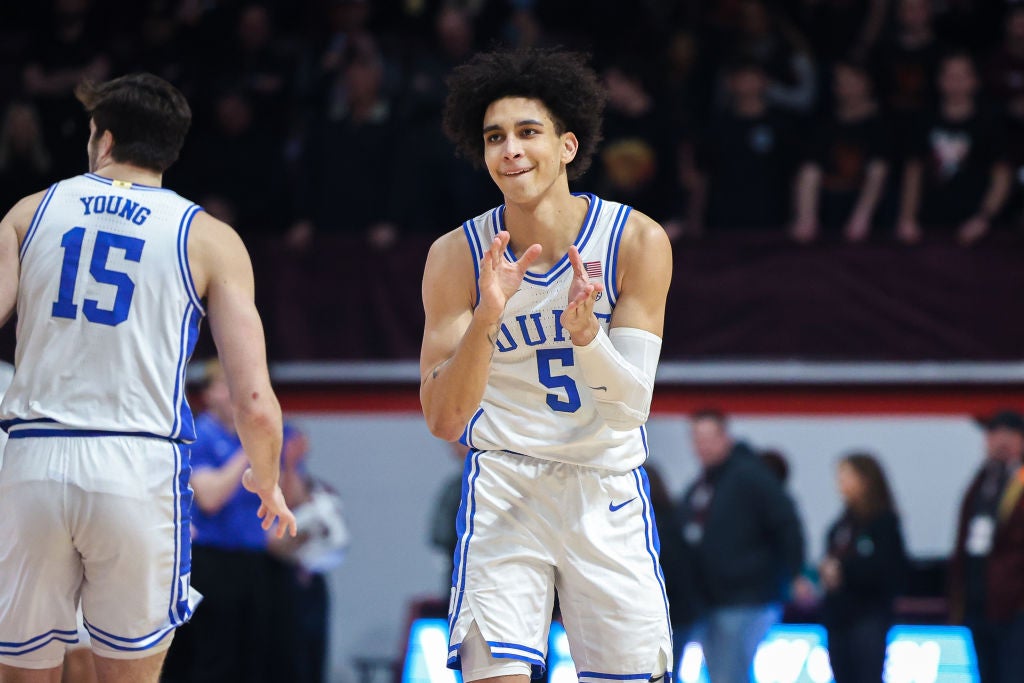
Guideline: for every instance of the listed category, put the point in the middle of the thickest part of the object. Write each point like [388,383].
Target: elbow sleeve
[619,368]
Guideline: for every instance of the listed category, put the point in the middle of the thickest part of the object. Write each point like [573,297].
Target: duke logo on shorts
[94,483]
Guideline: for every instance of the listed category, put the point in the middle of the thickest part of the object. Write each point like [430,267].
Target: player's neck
[552,222]
[129,173]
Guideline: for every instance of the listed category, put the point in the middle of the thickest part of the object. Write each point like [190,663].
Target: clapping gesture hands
[501,278]
[578,318]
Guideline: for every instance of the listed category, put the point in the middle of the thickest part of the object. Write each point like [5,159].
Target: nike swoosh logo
[602,388]
[612,507]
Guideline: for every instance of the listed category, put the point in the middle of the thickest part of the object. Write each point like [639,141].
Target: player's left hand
[272,506]
[578,318]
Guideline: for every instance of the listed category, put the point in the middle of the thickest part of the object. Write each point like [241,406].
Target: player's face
[523,150]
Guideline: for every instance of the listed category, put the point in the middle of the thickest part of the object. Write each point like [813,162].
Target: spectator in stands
[987,568]
[1004,76]
[25,160]
[775,461]
[345,187]
[905,66]
[302,606]
[956,179]
[746,539]
[865,567]
[842,179]
[637,160]
[258,64]
[766,35]
[743,161]
[65,51]
[235,170]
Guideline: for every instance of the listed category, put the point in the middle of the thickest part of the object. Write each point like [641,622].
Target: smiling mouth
[520,171]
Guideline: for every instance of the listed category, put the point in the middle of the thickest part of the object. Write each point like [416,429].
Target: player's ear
[105,144]
[570,145]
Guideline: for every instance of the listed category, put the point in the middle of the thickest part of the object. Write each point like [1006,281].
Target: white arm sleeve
[619,368]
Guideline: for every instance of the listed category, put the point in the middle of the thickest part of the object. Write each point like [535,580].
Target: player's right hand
[501,278]
[272,506]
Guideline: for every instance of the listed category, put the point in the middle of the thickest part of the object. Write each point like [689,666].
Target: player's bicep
[12,229]
[230,303]
[10,269]
[645,261]
[447,304]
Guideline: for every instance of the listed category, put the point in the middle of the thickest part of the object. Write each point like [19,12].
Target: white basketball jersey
[107,313]
[536,402]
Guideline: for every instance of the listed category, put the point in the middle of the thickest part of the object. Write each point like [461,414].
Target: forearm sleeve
[619,368]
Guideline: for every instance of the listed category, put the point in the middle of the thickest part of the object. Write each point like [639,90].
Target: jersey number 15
[64,306]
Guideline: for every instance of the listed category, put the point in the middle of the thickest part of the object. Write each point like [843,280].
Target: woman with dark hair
[862,572]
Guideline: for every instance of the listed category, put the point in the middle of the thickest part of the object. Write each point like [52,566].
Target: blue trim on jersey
[582,238]
[469,476]
[70,640]
[611,276]
[522,658]
[93,630]
[516,646]
[129,648]
[132,186]
[183,265]
[537,666]
[179,611]
[614,677]
[183,427]
[15,421]
[469,227]
[467,434]
[37,433]
[53,631]
[643,438]
[36,218]
[643,487]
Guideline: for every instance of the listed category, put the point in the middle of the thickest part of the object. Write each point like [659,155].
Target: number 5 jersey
[536,402]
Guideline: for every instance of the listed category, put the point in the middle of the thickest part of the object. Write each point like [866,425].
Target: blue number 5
[64,306]
[571,402]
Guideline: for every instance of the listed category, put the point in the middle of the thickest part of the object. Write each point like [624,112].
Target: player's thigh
[131,524]
[610,586]
[505,558]
[40,567]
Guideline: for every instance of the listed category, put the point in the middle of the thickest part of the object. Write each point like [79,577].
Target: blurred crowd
[817,119]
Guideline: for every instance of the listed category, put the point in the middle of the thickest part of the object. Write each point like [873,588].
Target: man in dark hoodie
[746,543]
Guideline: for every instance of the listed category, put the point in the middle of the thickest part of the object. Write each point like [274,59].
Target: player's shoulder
[643,232]
[20,215]
[212,233]
[449,248]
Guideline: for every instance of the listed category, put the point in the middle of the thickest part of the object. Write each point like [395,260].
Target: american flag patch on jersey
[593,268]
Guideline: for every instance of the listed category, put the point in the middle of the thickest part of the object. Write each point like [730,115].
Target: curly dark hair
[562,80]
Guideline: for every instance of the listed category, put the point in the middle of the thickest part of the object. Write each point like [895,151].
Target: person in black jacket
[863,570]
[742,531]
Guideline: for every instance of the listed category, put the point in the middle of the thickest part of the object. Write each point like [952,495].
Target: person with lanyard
[986,575]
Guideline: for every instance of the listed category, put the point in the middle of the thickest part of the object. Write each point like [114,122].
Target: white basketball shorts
[101,518]
[529,527]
